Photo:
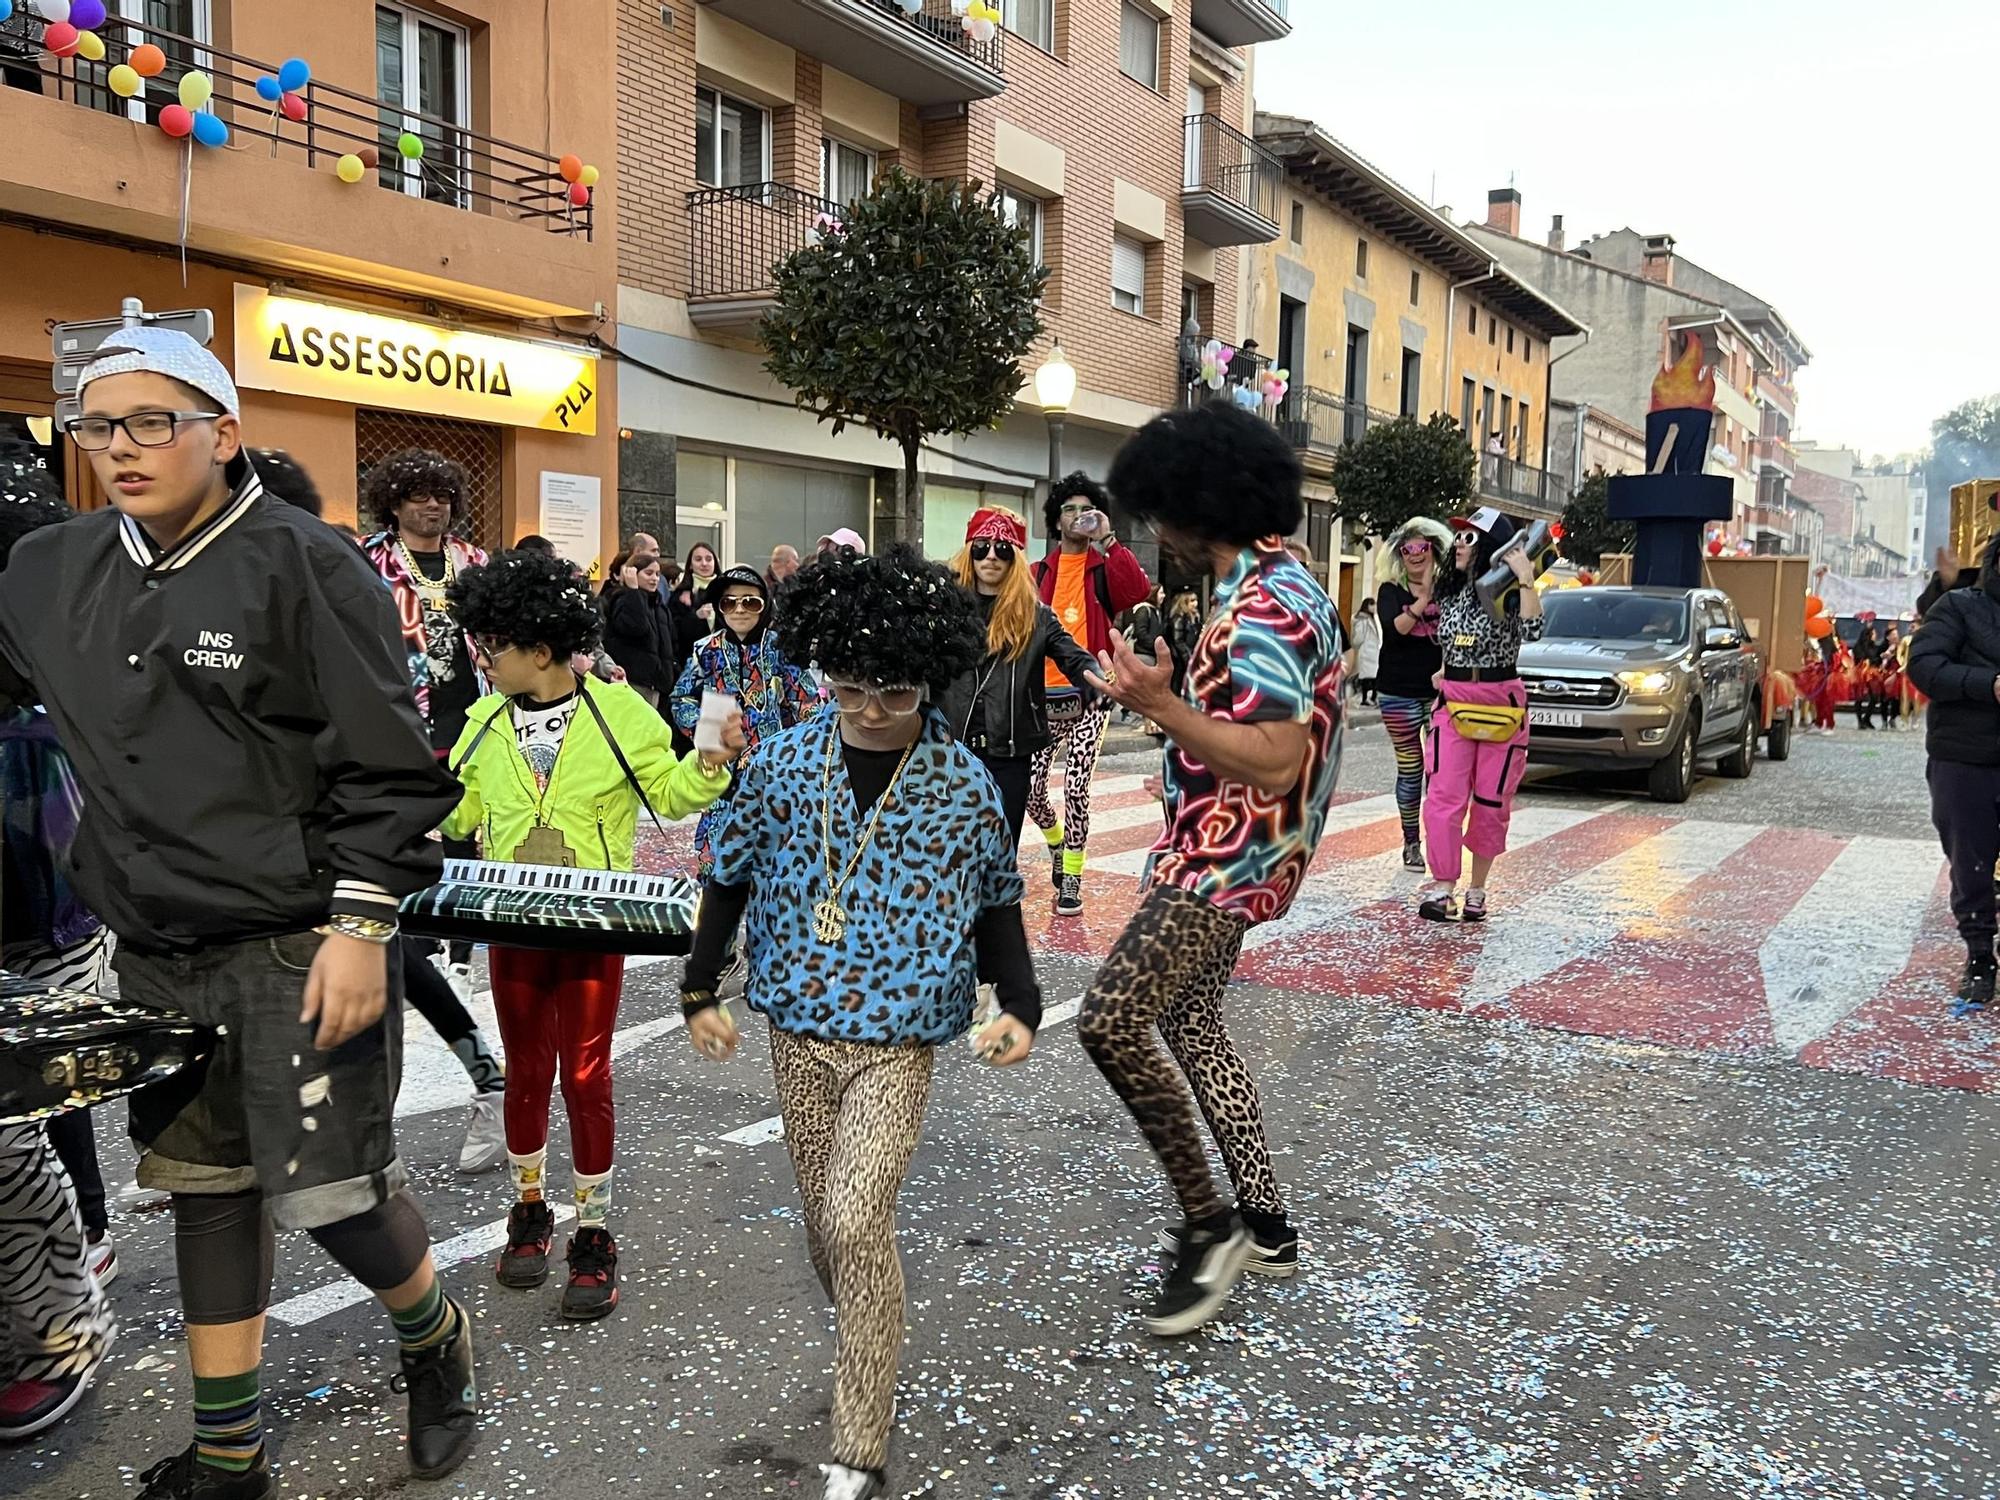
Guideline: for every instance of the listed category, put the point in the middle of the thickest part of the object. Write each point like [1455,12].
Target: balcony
[736,238]
[1778,395]
[1231,185]
[926,58]
[1318,421]
[1774,453]
[1521,488]
[1243,23]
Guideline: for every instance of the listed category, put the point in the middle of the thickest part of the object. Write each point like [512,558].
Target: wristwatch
[366,929]
[694,1002]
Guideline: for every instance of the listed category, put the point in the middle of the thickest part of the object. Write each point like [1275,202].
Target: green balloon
[411,145]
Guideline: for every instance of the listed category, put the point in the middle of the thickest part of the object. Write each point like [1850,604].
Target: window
[1298,223]
[1531,349]
[1472,320]
[1510,338]
[1416,287]
[732,141]
[1019,211]
[422,78]
[188,18]
[1128,275]
[1506,428]
[1031,21]
[1139,45]
[1468,392]
[1521,438]
[1361,258]
[1413,383]
[1191,307]
[845,172]
[1492,329]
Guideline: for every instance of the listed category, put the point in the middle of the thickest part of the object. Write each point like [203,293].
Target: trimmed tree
[1402,470]
[909,316]
[1588,530]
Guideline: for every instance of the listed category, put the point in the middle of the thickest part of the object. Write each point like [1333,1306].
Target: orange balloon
[148,61]
[1814,605]
[571,168]
[1819,627]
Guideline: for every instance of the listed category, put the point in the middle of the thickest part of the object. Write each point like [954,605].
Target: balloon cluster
[282,89]
[1273,384]
[980,20]
[1818,626]
[69,27]
[190,117]
[1214,368]
[581,178]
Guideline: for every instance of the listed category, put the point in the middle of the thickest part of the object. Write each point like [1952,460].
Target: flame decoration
[1687,383]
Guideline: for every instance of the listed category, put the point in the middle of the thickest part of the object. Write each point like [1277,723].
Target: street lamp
[1055,388]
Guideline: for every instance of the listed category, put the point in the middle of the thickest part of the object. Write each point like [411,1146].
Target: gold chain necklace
[431,593]
[829,916]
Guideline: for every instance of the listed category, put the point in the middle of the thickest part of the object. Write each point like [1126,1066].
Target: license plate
[1555,718]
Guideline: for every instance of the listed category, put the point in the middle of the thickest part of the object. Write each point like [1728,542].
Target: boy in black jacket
[228,678]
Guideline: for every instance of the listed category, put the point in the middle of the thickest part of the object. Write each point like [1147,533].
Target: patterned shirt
[1472,637]
[1269,654]
[904,969]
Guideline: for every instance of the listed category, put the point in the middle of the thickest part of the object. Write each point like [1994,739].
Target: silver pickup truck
[1647,678]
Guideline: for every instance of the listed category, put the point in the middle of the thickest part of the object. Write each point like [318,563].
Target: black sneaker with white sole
[1413,855]
[1199,1281]
[1273,1253]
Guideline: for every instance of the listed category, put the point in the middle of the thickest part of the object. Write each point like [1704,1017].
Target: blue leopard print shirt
[905,969]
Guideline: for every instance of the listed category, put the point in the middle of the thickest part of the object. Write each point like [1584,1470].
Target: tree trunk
[906,524]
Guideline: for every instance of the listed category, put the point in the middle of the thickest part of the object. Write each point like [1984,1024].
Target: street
[1674,1180]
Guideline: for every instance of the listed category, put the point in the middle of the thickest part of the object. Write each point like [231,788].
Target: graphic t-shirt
[1072,573]
[538,732]
[454,687]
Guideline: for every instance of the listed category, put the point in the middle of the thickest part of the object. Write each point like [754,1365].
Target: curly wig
[527,599]
[285,480]
[1070,487]
[403,476]
[896,618]
[1216,472]
[1485,545]
[29,499]
[1435,532]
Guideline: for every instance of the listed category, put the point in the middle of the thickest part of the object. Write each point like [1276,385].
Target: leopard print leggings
[852,1112]
[1078,739]
[1168,969]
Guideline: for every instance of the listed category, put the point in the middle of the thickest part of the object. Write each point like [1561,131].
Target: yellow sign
[305,348]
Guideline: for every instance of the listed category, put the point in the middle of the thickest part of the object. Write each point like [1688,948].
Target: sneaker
[181,1478]
[133,1199]
[593,1275]
[1439,903]
[525,1262]
[1413,855]
[31,1406]
[843,1483]
[444,1401]
[1204,1271]
[1975,985]
[1069,898]
[1473,907]
[485,1136]
[459,977]
[1273,1254]
[1056,866]
[103,1259]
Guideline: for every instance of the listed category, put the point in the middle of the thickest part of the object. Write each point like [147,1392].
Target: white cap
[163,351]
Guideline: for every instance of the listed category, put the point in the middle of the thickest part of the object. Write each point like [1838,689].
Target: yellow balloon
[589,177]
[123,81]
[90,46]
[350,169]
[196,90]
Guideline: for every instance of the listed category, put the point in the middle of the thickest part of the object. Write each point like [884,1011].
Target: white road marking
[1821,961]
[1341,817]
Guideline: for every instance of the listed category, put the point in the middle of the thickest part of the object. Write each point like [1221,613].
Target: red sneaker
[531,1227]
[593,1275]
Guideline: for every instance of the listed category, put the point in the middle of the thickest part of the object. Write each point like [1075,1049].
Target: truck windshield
[1584,615]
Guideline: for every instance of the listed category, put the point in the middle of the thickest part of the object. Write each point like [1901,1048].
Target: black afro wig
[897,618]
[29,499]
[527,599]
[1216,472]
[1071,487]
[413,472]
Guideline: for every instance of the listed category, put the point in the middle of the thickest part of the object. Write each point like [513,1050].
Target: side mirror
[1721,638]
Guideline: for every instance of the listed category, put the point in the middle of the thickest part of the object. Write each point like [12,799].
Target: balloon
[177,120]
[90,46]
[196,89]
[209,129]
[1814,605]
[1715,548]
[53,11]
[294,75]
[148,61]
[6,11]
[294,106]
[411,145]
[579,195]
[269,89]
[124,82]
[370,157]
[60,38]
[570,167]
[86,15]
[1819,627]
[589,177]
[349,168]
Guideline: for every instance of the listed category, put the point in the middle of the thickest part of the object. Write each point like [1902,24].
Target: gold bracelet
[363,929]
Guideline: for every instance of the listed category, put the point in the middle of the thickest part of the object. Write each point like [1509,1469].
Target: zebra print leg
[61,1321]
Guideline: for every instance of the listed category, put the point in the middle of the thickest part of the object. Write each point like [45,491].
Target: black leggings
[432,995]
[1013,774]
[223,1246]
[75,1141]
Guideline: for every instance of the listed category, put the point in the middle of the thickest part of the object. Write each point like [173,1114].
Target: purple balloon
[86,15]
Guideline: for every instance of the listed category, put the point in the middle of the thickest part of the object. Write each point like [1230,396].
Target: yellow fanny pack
[1494,723]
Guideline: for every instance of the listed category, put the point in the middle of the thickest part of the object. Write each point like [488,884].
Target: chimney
[1556,237]
[1659,262]
[1503,211]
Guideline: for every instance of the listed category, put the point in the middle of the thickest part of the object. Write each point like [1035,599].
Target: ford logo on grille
[1552,688]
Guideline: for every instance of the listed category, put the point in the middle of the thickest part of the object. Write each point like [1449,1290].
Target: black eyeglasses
[149,429]
[982,550]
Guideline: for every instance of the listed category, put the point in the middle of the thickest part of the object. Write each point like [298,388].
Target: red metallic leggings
[558,1005]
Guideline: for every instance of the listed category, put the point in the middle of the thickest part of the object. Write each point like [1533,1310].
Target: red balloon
[177,121]
[60,38]
[1715,548]
[294,106]
[579,195]
[571,167]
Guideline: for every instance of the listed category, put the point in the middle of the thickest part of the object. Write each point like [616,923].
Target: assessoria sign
[305,348]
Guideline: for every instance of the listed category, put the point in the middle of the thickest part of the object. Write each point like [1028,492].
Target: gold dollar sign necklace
[829,917]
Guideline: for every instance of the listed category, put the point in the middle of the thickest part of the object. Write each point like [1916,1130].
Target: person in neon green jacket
[543,785]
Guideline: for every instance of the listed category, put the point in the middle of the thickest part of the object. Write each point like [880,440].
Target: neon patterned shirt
[1270,653]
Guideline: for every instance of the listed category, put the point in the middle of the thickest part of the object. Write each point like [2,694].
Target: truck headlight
[1646,684]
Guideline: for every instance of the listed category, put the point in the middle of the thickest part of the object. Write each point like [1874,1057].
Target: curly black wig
[527,599]
[413,472]
[29,499]
[285,480]
[895,618]
[1485,545]
[1070,487]
[1216,472]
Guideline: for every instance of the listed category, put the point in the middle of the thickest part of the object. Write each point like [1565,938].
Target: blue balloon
[269,89]
[294,75]
[6,11]
[209,129]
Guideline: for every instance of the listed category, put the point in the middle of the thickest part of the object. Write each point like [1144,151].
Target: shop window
[473,445]
[1128,275]
[845,172]
[948,507]
[773,503]
[732,141]
[423,78]
[1139,45]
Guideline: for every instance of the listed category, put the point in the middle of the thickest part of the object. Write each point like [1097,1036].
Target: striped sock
[428,1321]
[228,1420]
[593,1198]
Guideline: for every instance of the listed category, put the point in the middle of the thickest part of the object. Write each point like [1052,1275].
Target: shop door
[693,527]
[474,446]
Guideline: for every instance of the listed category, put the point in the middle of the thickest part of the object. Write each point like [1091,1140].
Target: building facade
[448,297]
[1585,438]
[1893,498]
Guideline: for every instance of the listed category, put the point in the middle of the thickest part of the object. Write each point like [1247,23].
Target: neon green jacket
[588,797]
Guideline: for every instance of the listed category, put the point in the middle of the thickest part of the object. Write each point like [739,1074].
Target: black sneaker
[1272,1253]
[181,1478]
[531,1228]
[593,1275]
[444,1401]
[1069,900]
[1442,907]
[1056,865]
[1975,986]
[1413,855]
[1204,1272]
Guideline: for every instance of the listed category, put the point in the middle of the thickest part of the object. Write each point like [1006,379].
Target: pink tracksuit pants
[1470,793]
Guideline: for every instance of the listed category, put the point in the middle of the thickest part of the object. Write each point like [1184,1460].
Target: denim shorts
[315,1131]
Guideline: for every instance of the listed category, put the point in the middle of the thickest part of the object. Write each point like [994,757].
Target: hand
[629,576]
[732,740]
[1521,565]
[1420,595]
[1948,565]
[346,990]
[583,663]
[1103,538]
[1437,681]
[1996,690]
[617,672]
[1003,1041]
[1155,787]
[1128,681]
[714,1035]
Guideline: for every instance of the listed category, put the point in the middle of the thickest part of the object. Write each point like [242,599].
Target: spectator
[846,536]
[784,563]
[639,631]
[536,543]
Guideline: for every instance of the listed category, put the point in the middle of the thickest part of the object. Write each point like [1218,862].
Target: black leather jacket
[1013,694]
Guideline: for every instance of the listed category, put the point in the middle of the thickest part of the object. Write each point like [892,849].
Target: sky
[1840,160]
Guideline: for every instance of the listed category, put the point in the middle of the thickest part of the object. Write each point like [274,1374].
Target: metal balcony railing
[1225,161]
[1246,368]
[937,22]
[1321,421]
[460,167]
[1521,486]
[738,235]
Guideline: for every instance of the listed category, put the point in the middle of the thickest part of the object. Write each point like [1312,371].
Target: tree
[909,318]
[1588,530]
[1965,444]
[1402,470]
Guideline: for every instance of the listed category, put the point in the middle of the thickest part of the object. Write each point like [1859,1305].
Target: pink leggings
[1475,777]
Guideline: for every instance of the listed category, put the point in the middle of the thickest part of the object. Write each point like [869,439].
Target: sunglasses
[1414,549]
[745,604]
[899,699]
[982,550]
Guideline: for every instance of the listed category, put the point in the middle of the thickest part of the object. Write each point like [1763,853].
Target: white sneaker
[103,1260]
[132,1199]
[843,1483]
[485,1137]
